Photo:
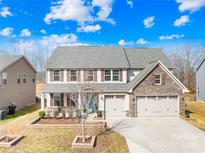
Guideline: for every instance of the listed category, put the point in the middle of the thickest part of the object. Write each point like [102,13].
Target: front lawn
[57,140]
[197,113]
[20,113]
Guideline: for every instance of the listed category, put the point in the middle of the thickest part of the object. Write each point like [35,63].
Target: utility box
[2,114]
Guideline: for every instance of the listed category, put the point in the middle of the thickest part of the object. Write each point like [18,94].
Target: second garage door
[157,106]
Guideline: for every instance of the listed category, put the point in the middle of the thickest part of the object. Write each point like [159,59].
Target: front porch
[71,105]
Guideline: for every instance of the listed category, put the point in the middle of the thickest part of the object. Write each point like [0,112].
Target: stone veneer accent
[147,88]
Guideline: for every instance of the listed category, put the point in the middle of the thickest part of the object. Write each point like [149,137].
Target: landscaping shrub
[41,114]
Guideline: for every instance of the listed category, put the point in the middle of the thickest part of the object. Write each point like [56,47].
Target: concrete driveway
[159,134]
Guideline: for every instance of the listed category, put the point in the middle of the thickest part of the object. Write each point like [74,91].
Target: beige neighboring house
[17,81]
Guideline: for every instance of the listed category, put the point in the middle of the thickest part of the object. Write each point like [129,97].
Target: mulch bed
[7,139]
[58,121]
[87,140]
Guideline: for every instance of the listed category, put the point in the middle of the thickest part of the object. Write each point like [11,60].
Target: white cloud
[43,31]
[69,10]
[105,9]
[130,3]
[89,28]
[80,11]
[52,41]
[4,12]
[190,5]
[25,33]
[182,21]
[172,36]
[59,39]
[122,42]
[6,31]
[149,22]
[141,41]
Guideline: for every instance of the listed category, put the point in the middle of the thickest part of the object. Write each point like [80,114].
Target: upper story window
[33,78]
[90,75]
[158,80]
[24,77]
[115,75]
[107,75]
[73,75]
[57,99]
[4,78]
[56,75]
[112,75]
[18,78]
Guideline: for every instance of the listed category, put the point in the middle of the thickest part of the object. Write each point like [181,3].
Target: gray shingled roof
[141,74]
[102,87]
[139,57]
[7,60]
[104,57]
[88,57]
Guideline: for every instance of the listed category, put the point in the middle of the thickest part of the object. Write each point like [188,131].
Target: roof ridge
[126,56]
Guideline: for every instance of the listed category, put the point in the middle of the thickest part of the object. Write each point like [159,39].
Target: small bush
[41,114]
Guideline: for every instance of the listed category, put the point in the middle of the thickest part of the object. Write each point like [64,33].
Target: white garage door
[167,106]
[115,105]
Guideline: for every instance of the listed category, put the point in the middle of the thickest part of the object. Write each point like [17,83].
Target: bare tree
[186,60]
[80,99]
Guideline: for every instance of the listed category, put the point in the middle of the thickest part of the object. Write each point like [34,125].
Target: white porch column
[42,101]
[65,100]
[79,100]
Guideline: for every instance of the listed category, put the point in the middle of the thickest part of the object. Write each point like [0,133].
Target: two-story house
[125,81]
[17,81]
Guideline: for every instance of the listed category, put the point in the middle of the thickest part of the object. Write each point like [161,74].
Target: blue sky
[130,23]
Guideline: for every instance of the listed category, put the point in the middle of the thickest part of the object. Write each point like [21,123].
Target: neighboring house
[126,81]
[17,81]
[200,81]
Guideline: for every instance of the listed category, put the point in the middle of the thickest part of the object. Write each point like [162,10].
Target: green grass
[20,113]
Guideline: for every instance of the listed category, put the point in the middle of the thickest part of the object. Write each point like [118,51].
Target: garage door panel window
[151,97]
[162,97]
[173,97]
[120,96]
[109,96]
[141,97]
